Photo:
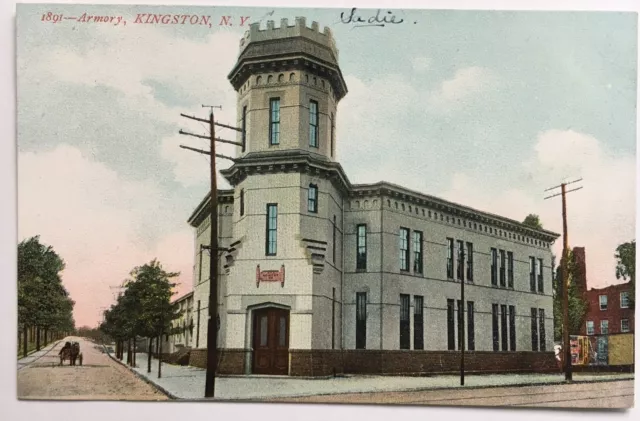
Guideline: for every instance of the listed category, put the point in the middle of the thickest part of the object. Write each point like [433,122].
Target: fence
[603,350]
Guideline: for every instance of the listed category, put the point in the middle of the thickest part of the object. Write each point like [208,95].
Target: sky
[483,108]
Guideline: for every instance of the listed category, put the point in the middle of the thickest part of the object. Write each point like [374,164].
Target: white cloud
[466,83]
[90,216]
[600,216]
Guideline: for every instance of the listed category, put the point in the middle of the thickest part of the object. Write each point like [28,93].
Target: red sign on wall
[270,276]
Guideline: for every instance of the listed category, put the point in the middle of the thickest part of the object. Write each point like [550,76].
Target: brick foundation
[230,360]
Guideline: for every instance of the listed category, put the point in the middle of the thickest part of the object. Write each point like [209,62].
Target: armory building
[326,276]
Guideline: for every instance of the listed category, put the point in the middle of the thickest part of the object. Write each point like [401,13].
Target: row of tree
[45,310]
[143,310]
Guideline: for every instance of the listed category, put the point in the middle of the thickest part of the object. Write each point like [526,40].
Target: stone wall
[230,361]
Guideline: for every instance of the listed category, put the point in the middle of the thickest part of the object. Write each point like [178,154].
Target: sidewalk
[36,355]
[184,382]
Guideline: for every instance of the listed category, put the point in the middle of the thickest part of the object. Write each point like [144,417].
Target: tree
[626,266]
[532,221]
[577,304]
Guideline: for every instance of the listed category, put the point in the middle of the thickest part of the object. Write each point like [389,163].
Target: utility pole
[212,325]
[461,315]
[566,343]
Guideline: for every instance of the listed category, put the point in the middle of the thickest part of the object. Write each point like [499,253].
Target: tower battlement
[299,29]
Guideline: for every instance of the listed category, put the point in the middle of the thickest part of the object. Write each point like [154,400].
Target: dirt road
[617,394]
[99,377]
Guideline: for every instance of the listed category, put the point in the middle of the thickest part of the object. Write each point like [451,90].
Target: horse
[72,352]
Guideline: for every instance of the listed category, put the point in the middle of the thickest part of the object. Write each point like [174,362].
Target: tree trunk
[135,349]
[129,351]
[46,337]
[149,356]
[160,358]
[37,338]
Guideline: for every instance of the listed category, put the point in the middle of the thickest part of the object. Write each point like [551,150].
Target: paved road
[616,394]
[99,378]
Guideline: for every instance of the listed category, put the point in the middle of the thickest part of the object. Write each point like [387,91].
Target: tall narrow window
[494,266]
[543,333]
[274,121]
[272,229]
[405,329]
[450,258]
[404,249]
[460,260]
[333,242]
[512,328]
[470,262]
[510,269]
[361,320]
[460,324]
[534,329]
[417,252]
[503,327]
[502,268]
[471,336]
[604,327]
[313,198]
[333,129]
[313,124]
[495,321]
[361,247]
[241,202]
[540,276]
[532,274]
[451,328]
[244,128]
[418,322]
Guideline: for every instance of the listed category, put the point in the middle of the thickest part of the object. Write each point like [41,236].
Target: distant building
[609,311]
[184,327]
[320,275]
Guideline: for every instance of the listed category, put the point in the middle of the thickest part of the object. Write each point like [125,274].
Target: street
[618,394]
[99,378]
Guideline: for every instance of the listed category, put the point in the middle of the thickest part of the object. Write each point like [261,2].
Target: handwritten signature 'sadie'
[375,20]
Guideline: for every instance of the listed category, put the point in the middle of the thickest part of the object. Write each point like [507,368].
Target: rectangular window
[534,329]
[624,299]
[460,322]
[244,128]
[405,328]
[313,124]
[495,329]
[404,249]
[470,262]
[449,258]
[241,202]
[460,271]
[312,201]
[503,327]
[272,229]
[510,269]
[590,327]
[624,325]
[274,121]
[543,333]
[418,322]
[540,277]
[603,302]
[417,252]
[502,269]
[451,334]
[494,266]
[471,337]
[604,327]
[361,247]
[512,328]
[532,274]
[361,320]
[333,242]
[333,128]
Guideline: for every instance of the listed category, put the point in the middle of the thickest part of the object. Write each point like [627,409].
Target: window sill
[361,270]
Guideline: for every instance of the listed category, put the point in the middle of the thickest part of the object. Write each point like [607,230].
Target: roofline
[203,204]
[184,297]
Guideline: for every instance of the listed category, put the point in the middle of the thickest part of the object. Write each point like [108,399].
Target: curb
[33,351]
[143,378]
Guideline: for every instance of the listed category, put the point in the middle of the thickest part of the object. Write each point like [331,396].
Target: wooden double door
[271,341]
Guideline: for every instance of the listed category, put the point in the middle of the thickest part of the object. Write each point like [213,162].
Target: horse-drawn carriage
[71,351]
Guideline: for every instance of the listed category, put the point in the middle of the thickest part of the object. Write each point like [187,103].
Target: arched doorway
[270,341]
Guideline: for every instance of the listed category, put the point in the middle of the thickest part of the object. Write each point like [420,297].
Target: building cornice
[199,214]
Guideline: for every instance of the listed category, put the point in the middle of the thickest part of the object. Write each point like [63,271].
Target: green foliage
[626,266]
[42,299]
[577,305]
[145,308]
[532,221]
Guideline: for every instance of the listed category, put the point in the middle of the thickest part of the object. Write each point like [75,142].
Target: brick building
[322,275]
